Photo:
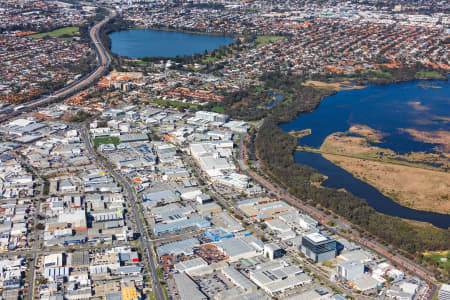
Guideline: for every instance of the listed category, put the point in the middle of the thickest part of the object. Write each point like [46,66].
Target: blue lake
[138,43]
[387,108]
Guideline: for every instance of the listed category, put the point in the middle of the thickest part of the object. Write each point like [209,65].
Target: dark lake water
[138,43]
[386,108]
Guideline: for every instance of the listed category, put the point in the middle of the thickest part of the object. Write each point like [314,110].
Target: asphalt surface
[34,248]
[145,243]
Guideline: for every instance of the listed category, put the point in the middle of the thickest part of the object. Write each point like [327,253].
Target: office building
[318,246]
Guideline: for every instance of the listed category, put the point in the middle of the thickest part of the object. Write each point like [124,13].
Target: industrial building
[228,222]
[237,248]
[278,276]
[161,197]
[317,294]
[263,209]
[209,208]
[350,270]
[364,283]
[198,222]
[187,288]
[217,234]
[190,265]
[272,251]
[130,293]
[318,246]
[176,248]
[307,222]
[238,279]
[211,116]
[444,292]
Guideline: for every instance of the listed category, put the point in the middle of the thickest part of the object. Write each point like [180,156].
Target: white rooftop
[316,237]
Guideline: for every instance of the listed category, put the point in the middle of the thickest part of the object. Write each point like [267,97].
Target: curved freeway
[103,61]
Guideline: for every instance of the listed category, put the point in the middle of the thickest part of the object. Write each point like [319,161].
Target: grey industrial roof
[238,278]
[187,288]
[177,247]
[234,247]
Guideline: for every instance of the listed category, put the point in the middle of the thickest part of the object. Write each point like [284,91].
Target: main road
[103,62]
[145,243]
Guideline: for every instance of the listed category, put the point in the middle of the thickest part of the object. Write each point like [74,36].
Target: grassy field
[441,259]
[409,186]
[334,86]
[265,39]
[56,33]
[380,73]
[106,140]
[429,75]
[218,109]
[139,61]
[177,104]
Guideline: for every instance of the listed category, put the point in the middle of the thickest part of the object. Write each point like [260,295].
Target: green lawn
[177,104]
[441,259]
[139,61]
[429,75]
[380,73]
[212,59]
[218,109]
[265,39]
[69,31]
[106,140]
[331,224]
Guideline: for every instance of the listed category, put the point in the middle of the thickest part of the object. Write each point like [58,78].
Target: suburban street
[145,243]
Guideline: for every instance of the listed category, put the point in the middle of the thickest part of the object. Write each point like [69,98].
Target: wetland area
[388,144]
